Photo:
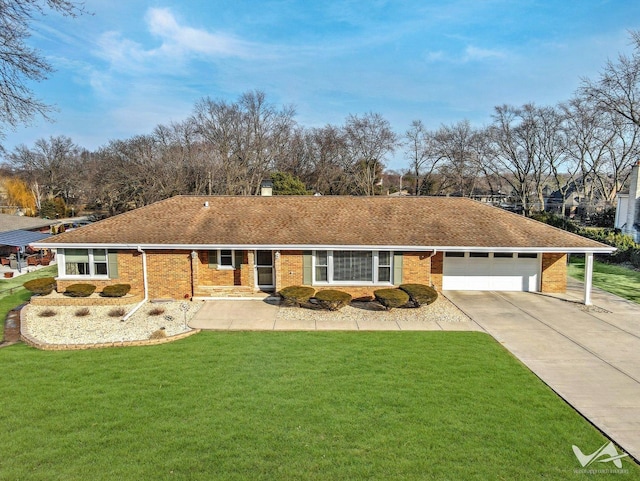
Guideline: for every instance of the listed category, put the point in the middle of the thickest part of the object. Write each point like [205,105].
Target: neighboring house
[17,231]
[554,201]
[22,222]
[210,246]
[628,208]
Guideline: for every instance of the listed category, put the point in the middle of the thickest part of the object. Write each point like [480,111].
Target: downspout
[145,284]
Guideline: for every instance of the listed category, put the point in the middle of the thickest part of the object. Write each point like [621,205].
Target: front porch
[227,273]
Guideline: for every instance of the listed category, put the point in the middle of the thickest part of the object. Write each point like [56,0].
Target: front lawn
[299,405]
[609,277]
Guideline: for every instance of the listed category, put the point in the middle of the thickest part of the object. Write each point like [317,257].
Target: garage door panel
[497,274]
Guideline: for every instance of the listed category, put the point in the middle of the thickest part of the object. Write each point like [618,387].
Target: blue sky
[134,64]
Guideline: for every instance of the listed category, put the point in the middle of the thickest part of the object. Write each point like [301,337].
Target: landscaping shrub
[557,221]
[635,258]
[391,298]
[364,299]
[420,294]
[83,312]
[42,286]
[47,313]
[156,311]
[117,312]
[296,295]
[332,300]
[613,237]
[79,290]
[159,334]
[116,290]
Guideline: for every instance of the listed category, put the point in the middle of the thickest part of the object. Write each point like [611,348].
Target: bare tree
[550,151]
[244,140]
[617,90]
[511,159]
[422,154]
[51,167]
[604,144]
[21,64]
[454,145]
[369,140]
[587,136]
[329,160]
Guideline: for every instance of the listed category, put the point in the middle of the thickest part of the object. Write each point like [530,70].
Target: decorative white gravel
[98,327]
[442,310]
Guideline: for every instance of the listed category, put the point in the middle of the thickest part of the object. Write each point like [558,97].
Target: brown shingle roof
[282,221]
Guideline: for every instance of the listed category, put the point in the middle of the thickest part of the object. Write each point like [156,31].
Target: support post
[588,277]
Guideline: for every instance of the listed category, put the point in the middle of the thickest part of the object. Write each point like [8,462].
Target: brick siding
[436,270]
[290,272]
[169,274]
[554,273]
[211,276]
[416,268]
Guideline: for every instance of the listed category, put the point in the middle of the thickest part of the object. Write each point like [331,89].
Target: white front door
[491,272]
[264,270]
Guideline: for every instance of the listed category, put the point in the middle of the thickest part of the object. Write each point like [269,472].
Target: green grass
[609,277]
[329,406]
[12,294]
[50,271]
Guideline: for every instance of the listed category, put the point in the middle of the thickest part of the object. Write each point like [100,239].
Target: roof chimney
[266,188]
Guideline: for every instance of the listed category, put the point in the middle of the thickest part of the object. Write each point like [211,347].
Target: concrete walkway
[589,355]
[263,315]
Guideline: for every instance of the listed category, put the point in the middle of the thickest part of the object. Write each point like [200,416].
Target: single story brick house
[220,246]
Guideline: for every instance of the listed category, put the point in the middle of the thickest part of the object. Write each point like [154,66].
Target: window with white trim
[225,258]
[384,266]
[86,262]
[352,267]
[322,266]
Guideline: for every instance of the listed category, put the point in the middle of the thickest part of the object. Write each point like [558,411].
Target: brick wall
[416,268]
[207,276]
[169,274]
[554,273]
[290,272]
[436,270]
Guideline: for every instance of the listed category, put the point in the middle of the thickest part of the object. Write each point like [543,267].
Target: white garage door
[490,272]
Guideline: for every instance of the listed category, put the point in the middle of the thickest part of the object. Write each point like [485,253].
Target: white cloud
[180,39]
[472,53]
[178,44]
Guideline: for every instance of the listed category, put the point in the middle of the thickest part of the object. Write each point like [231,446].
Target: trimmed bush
[156,311]
[117,312]
[420,294]
[391,298]
[296,295]
[116,290]
[42,286]
[80,290]
[332,300]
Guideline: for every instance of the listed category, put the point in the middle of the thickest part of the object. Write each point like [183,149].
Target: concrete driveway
[589,355]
